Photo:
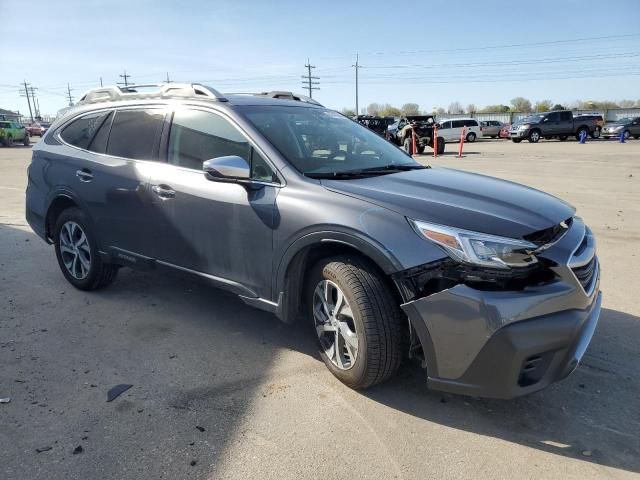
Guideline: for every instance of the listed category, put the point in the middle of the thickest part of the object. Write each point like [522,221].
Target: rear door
[565,126]
[635,126]
[220,229]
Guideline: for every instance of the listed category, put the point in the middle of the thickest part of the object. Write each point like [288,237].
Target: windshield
[531,119]
[623,120]
[318,141]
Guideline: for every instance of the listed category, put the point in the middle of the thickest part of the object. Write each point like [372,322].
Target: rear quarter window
[80,132]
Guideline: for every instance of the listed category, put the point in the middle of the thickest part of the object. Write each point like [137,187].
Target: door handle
[163,191]
[84,175]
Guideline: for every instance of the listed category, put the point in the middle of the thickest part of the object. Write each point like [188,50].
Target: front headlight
[478,248]
[524,127]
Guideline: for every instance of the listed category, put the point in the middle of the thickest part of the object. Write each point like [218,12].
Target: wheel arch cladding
[58,205]
[291,276]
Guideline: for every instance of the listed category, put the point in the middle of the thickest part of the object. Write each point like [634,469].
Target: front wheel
[358,323]
[516,140]
[471,137]
[408,147]
[7,141]
[77,252]
[534,136]
[596,133]
[563,138]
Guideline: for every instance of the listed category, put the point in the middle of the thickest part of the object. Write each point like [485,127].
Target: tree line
[517,104]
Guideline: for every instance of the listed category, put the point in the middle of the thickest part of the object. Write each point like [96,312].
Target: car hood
[460,199]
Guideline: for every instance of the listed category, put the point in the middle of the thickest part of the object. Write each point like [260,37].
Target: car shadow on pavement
[593,415]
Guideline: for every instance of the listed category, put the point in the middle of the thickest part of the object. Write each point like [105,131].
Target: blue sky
[433,53]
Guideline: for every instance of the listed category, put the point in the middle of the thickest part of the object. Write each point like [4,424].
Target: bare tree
[388,110]
[410,109]
[543,106]
[373,109]
[438,111]
[626,103]
[348,112]
[471,108]
[521,104]
[455,107]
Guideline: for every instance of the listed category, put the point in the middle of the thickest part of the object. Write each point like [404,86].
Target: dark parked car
[560,124]
[402,130]
[376,124]
[625,126]
[302,212]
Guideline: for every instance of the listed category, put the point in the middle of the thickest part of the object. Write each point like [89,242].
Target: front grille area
[586,274]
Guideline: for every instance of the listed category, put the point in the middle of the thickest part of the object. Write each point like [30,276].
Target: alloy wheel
[335,326]
[75,250]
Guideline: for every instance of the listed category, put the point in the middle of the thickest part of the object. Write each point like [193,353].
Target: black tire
[440,145]
[636,137]
[379,324]
[516,140]
[627,134]
[407,145]
[563,138]
[26,141]
[100,274]
[596,133]
[534,136]
[471,137]
[7,141]
[420,148]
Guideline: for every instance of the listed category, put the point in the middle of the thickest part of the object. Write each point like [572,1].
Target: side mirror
[228,168]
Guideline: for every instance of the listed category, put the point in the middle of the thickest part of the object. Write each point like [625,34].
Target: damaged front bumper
[506,343]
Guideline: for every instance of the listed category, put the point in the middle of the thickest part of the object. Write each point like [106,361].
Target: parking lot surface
[221,390]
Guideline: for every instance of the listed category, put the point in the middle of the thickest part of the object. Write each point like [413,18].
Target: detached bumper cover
[503,344]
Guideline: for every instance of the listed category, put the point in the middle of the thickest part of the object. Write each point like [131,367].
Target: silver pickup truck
[561,124]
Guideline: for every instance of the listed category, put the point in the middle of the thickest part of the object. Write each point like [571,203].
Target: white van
[451,130]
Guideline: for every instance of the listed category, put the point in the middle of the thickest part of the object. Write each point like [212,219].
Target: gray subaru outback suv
[302,212]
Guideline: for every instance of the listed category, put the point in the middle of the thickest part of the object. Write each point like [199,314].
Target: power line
[309,79]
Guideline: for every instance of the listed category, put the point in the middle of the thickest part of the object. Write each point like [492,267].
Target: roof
[8,113]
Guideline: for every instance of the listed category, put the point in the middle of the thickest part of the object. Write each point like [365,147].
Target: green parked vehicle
[12,132]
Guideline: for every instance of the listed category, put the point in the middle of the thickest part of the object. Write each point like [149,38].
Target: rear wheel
[358,323]
[581,132]
[440,145]
[471,137]
[77,252]
[534,136]
[26,141]
[420,148]
[563,138]
[627,134]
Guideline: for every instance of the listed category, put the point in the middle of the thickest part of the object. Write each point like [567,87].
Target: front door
[217,228]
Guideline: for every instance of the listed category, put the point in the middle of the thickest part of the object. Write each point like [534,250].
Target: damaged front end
[504,332]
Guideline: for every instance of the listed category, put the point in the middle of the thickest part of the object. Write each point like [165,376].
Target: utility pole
[36,104]
[168,79]
[126,79]
[357,67]
[100,82]
[69,95]
[308,79]
[26,94]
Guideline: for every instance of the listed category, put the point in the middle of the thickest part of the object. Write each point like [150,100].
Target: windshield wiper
[365,172]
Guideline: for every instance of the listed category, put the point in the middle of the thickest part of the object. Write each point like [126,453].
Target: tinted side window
[457,123]
[470,123]
[197,136]
[80,132]
[99,142]
[445,125]
[134,133]
[553,117]
[566,117]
